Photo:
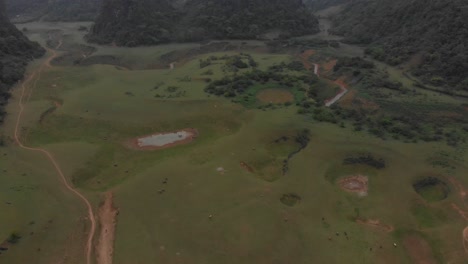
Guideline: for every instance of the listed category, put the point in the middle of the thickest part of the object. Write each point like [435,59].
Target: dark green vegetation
[240,19]
[290,199]
[430,35]
[56,10]
[133,23]
[432,189]
[149,22]
[15,52]
[245,86]
[387,115]
[302,139]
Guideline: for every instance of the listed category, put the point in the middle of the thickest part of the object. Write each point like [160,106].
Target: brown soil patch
[133,143]
[328,66]
[305,59]
[246,167]
[461,212]
[275,96]
[375,223]
[465,239]
[419,250]
[355,184]
[107,220]
[347,100]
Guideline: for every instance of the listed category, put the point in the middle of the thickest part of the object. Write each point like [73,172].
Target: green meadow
[222,199]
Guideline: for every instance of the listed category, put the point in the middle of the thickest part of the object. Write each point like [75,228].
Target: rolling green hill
[15,51]
[430,35]
[149,22]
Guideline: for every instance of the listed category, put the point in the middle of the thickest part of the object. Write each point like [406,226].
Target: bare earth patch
[355,184]
[305,59]
[419,250]
[275,96]
[107,220]
[375,223]
[246,167]
[163,140]
[328,66]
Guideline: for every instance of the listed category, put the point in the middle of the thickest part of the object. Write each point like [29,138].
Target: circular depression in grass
[432,189]
[275,96]
[290,199]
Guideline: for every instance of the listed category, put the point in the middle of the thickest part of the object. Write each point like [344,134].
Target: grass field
[222,192]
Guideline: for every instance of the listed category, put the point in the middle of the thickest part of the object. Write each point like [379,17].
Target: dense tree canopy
[147,22]
[54,10]
[132,23]
[15,51]
[432,33]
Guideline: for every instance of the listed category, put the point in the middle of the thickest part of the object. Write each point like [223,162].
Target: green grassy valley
[293,150]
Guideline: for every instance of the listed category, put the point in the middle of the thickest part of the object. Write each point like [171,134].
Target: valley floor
[256,183]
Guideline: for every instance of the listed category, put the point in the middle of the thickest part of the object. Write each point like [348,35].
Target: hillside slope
[247,19]
[15,52]
[53,10]
[433,34]
[132,23]
[148,22]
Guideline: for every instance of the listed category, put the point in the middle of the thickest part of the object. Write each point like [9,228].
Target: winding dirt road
[25,83]
[343,89]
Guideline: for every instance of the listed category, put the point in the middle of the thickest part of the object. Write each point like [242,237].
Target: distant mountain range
[148,22]
[15,52]
[53,10]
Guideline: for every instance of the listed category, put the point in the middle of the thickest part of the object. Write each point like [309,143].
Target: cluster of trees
[409,122]
[149,22]
[15,52]
[240,84]
[54,10]
[407,128]
[367,75]
[397,30]
[233,63]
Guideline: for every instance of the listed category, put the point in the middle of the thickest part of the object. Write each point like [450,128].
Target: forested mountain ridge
[54,10]
[132,23]
[148,22]
[15,52]
[433,34]
[247,19]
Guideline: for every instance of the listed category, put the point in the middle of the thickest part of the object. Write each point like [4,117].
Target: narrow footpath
[47,154]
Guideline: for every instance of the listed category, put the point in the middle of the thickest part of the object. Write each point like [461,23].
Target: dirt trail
[107,219]
[343,90]
[46,153]
[376,224]
[316,69]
